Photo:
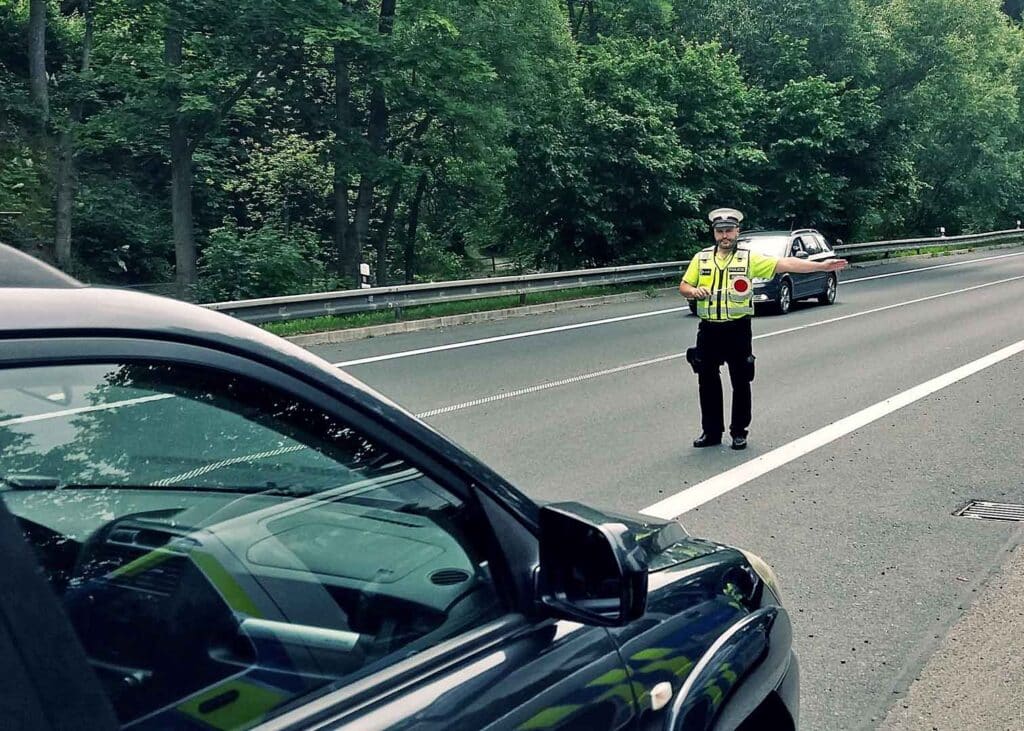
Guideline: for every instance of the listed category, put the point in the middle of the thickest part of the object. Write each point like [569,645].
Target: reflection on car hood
[666,541]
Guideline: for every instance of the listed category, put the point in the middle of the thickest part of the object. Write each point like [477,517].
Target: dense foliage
[272,146]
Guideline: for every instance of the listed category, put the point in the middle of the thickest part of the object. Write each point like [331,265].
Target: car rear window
[767,245]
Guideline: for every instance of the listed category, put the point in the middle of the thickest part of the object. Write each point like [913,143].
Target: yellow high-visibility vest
[732,292]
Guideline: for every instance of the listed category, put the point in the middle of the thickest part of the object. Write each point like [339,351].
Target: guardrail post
[398,313]
[522,299]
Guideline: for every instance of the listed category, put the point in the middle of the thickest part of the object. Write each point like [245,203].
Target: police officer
[720,279]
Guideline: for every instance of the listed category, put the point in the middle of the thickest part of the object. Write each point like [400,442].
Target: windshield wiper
[47,482]
[30,482]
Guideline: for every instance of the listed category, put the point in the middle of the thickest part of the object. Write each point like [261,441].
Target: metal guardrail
[282,309]
[888,247]
[294,307]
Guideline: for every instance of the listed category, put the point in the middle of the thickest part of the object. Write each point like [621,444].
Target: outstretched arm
[802,266]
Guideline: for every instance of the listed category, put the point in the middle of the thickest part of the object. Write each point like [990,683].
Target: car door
[234,546]
[802,283]
[815,252]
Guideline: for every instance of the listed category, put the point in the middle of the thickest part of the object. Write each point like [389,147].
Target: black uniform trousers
[729,343]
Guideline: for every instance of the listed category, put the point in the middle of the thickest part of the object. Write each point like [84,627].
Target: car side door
[247,548]
[815,252]
[802,283]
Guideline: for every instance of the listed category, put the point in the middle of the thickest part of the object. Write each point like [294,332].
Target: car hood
[666,542]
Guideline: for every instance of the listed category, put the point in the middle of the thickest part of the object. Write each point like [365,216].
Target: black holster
[750,367]
[694,359]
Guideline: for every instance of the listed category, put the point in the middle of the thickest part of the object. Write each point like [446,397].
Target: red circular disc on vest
[741,286]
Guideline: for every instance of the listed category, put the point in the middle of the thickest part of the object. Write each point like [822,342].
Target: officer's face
[725,237]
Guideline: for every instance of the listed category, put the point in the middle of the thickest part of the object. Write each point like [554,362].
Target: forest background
[264,147]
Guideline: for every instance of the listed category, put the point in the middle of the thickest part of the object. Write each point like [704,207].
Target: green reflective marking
[249,705]
[612,677]
[715,694]
[627,692]
[678,666]
[550,716]
[142,563]
[225,583]
[652,653]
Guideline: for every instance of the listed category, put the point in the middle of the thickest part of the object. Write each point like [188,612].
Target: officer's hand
[702,293]
[834,265]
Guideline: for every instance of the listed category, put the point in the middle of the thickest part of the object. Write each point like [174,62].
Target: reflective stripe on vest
[732,295]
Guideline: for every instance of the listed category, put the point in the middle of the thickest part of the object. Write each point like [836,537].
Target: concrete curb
[331,337]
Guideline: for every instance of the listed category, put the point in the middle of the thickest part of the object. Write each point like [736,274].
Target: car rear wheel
[829,295]
[785,298]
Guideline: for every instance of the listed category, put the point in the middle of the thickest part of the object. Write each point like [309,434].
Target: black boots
[709,440]
[706,440]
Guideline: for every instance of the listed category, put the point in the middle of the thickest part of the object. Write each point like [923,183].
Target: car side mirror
[800,254]
[591,568]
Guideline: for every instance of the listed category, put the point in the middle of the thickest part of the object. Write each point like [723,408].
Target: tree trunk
[66,156]
[181,160]
[376,133]
[345,254]
[37,60]
[387,17]
[65,198]
[364,207]
[414,220]
[385,230]
[396,190]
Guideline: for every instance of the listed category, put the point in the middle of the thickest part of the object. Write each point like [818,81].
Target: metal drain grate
[985,510]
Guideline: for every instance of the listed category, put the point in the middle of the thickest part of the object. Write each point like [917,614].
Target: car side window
[811,245]
[222,548]
[796,247]
[825,248]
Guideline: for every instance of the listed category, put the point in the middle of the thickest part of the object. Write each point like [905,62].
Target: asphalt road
[875,569]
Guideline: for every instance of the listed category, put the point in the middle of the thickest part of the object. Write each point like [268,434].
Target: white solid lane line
[577,326]
[550,384]
[719,485]
[501,338]
[887,307]
[661,359]
[937,266]
[83,410]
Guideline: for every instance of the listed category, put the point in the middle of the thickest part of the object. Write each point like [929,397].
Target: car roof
[18,269]
[762,232]
[38,300]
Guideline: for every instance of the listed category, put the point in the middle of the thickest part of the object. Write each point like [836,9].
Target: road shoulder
[975,679]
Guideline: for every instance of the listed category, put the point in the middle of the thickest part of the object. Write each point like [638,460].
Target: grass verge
[423,312]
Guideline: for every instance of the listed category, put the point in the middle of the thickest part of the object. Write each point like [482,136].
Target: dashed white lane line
[720,484]
[654,361]
[545,386]
[540,386]
[609,320]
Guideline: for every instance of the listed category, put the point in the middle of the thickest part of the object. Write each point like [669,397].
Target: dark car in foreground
[781,291]
[206,527]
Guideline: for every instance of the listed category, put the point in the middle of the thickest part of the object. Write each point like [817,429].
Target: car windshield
[204,531]
[767,245]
